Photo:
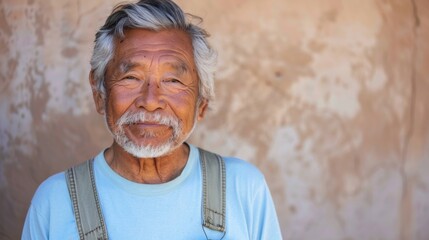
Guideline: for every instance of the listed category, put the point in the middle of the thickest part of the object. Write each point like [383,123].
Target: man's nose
[151,98]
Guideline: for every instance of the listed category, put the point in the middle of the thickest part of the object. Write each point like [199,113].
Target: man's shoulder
[237,166]
[55,181]
[240,170]
[242,166]
[50,213]
[50,189]
[243,171]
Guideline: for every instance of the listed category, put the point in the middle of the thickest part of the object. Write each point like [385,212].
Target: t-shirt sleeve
[265,222]
[49,211]
[35,226]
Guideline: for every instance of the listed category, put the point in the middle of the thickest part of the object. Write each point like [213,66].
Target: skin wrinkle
[179,66]
[146,53]
[126,67]
[151,47]
[145,167]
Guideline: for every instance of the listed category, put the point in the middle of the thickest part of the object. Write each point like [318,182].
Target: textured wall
[328,98]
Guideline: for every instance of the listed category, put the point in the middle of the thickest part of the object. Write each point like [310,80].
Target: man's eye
[129,82]
[130,78]
[172,80]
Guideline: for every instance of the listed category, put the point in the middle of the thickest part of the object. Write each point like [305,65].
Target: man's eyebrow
[180,66]
[127,66]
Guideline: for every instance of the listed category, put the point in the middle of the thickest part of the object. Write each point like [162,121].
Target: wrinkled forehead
[150,41]
[173,47]
[167,61]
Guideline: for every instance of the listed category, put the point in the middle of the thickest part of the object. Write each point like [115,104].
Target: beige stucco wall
[328,98]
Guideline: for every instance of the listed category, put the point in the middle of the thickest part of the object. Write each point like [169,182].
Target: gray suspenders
[87,210]
[84,197]
[214,186]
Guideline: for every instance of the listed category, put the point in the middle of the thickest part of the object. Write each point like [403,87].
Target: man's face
[151,103]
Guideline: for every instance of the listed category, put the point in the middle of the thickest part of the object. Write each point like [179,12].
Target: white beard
[149,151]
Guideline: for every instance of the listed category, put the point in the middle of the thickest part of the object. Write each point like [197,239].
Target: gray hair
[153,15]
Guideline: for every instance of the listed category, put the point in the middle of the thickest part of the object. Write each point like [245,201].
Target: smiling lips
[149,124]
[151,128]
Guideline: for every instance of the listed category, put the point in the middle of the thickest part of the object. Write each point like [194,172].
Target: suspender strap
[86,206]
[214,190]
[87,210]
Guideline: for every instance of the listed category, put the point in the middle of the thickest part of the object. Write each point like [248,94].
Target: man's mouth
[148,124]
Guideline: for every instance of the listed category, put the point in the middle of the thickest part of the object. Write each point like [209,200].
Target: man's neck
[147,170]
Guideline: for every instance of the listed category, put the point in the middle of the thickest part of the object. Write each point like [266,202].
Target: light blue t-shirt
[170,210]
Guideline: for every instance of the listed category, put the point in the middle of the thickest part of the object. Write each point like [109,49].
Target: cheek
[123,95]
[187,96]
[184,107]
[117,103]
[182,99]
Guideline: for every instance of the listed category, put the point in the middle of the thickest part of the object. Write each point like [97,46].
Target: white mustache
[139,117]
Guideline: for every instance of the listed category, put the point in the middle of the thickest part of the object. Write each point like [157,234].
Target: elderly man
[152,79]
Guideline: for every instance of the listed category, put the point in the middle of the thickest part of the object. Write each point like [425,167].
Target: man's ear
[202,108]
[96,94]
